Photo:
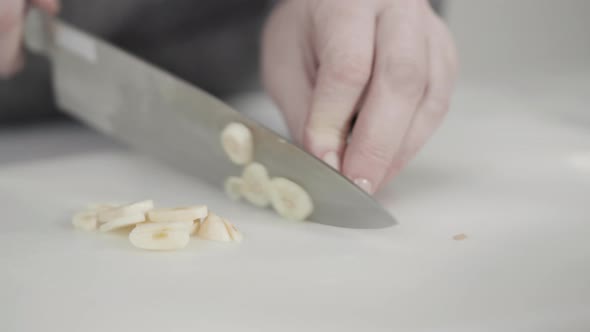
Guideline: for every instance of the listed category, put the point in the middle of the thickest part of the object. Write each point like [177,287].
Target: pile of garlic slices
[255,185]
[157,228]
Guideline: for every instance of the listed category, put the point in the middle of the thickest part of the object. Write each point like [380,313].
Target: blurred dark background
[214,44]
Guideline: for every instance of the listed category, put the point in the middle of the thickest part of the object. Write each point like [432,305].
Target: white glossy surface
[500,171]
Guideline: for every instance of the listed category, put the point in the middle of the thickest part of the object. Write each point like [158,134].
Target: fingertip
[50,6]
[325,146]
[332,159]
[323,136]
[363,170]
[365,185]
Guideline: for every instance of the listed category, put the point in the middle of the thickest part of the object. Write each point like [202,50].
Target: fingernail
[365,185]
[332,159]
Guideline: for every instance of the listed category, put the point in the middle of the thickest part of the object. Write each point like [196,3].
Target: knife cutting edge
[163,116]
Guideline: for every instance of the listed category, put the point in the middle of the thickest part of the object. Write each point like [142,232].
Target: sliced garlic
[108,215]
[188,213]
[233,187]
[290,200]
[158,229]
[233,232]
[175,225]
[195,228]
[238,143]
[101,206]
[255,188]
[161,236]
[86,221]
[213,228]
[123,221]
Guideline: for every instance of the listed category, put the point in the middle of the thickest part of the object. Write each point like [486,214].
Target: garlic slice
[161,236]
[122,221]
[238,143]
[188,213]
[108,215]
[214,228]
[86,221]
[255,188]
[290,200]
[234,187]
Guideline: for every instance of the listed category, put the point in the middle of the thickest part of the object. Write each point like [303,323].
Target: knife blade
[165,117]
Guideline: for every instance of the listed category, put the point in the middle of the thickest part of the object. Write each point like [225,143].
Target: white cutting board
[511,174]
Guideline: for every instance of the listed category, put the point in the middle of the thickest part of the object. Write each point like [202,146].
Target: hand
[12,14]
[390,62]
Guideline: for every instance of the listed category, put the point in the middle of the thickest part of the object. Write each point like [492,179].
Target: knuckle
[319,121]
[325,128]
[406,76]
[352,69]
[377,155]
[327,136]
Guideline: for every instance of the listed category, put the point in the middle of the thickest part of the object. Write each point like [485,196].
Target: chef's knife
[156,113]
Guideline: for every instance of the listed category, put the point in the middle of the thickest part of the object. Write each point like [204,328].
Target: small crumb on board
[460,237]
